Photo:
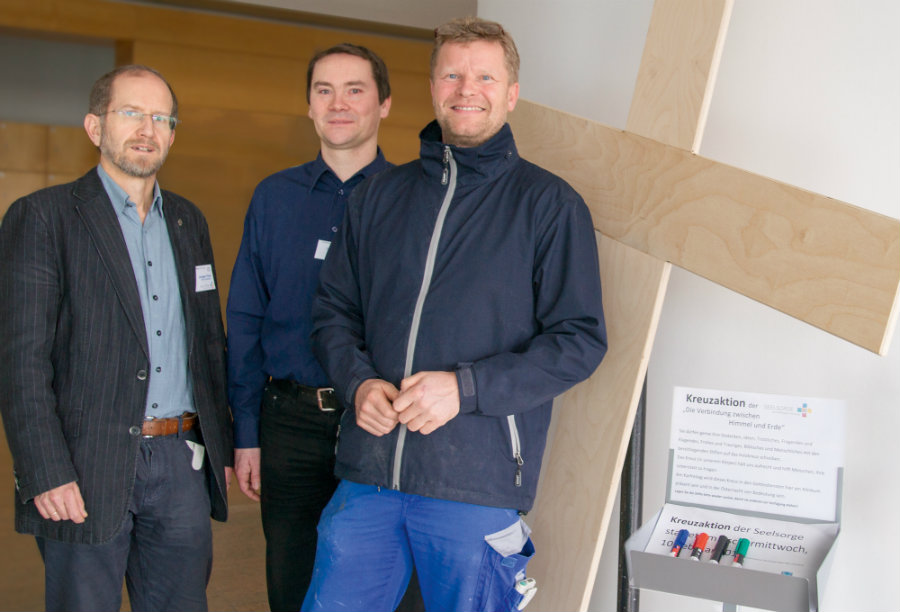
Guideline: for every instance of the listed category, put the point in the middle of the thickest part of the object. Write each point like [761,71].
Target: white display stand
[762,467]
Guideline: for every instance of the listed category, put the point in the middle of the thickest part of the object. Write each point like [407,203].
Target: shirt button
[340,192]
[150,263]
[334,228]
[158,333]
[155,406]
[158,369]
[155,298]
[142,374]
[134,430]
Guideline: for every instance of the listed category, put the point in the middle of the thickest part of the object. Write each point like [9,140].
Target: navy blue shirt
[292,219]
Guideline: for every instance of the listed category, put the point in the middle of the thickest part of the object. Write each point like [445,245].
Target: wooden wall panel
[228,80]
[127,21]
[70,151]
[256,137]
[14,184]
[23,146]
[399,144]
[410,99]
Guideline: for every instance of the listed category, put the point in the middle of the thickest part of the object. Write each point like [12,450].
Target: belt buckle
[148,419]
[320,398]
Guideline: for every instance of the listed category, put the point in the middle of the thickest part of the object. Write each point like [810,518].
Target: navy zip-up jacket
[507,296]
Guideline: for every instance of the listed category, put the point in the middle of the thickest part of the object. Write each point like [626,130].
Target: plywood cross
[654,201]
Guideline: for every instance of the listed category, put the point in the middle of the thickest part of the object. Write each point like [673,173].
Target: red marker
[699,546]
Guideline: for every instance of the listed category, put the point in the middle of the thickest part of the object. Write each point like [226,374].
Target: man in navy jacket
[461,297]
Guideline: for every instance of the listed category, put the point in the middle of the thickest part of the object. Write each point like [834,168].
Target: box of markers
[752,510]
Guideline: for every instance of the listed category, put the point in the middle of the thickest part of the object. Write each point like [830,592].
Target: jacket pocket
[515,445]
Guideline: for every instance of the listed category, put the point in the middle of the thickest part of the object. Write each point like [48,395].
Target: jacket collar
[474,164]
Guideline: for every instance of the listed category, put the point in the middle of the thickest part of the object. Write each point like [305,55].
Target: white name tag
[205,280]
[322,249]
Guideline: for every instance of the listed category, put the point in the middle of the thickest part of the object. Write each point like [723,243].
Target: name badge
[204,276]
[322,249]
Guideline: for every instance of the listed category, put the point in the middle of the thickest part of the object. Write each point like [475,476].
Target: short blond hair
[470,29]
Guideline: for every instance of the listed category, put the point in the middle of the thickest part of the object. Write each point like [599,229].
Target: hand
[64,503]
[427,400]
[246,470]
[374,412]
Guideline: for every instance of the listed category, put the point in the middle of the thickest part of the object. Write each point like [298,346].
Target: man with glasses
[112,388]
[286,415]
[462,296]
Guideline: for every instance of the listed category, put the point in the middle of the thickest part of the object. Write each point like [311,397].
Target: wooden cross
[654,201]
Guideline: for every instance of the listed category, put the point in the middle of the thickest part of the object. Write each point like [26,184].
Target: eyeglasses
[137,117]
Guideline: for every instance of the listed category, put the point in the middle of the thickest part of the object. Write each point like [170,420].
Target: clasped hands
[424,402]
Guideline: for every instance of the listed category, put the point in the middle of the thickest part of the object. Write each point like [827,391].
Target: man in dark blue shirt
[285,413]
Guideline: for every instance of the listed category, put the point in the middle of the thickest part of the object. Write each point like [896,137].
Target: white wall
[808,93]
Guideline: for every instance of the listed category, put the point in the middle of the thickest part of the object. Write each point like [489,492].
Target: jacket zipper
[516,446]
[448,177]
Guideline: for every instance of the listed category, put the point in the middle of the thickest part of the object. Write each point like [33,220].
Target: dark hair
[470,29]
[379,70]
[101,92]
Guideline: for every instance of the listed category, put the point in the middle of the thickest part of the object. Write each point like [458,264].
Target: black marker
[719,549]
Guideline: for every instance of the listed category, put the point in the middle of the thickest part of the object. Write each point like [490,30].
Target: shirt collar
[122,201]
[319,170]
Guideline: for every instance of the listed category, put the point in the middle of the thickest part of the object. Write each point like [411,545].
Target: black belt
[323,397]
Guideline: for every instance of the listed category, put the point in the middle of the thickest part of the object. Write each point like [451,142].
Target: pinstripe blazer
[74,362]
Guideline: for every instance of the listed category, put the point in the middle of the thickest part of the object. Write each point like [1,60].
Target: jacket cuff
[465,378]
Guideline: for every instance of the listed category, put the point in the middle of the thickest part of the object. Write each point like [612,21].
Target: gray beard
[128,167]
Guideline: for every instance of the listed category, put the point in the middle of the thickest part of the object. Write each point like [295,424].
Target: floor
[238,580]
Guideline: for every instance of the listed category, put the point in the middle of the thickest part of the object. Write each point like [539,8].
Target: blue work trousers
[468,557]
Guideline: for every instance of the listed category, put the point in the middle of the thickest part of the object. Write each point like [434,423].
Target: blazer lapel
[95,208]
[184,247]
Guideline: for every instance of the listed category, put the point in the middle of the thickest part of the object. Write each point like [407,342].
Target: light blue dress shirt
[170,391]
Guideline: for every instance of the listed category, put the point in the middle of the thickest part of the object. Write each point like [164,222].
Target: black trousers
[297,447]
[297,443]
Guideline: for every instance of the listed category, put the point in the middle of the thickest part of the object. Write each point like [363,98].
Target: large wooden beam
[592,423]
[828,263]
[591,426]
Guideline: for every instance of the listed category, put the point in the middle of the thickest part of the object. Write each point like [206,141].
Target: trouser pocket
[502,581]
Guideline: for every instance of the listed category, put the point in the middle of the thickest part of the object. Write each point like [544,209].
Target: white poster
[754,452]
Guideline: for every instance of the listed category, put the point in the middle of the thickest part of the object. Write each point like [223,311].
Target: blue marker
[680,541]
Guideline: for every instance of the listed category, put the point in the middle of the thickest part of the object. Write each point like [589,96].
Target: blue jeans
[163,550]
[370,538]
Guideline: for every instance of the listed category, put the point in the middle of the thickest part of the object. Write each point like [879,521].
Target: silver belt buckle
[319,397]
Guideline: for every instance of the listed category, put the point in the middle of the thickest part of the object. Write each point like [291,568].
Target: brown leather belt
[166,427]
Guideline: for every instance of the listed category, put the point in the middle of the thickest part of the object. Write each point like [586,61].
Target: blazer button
[134,430]
[142,375]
